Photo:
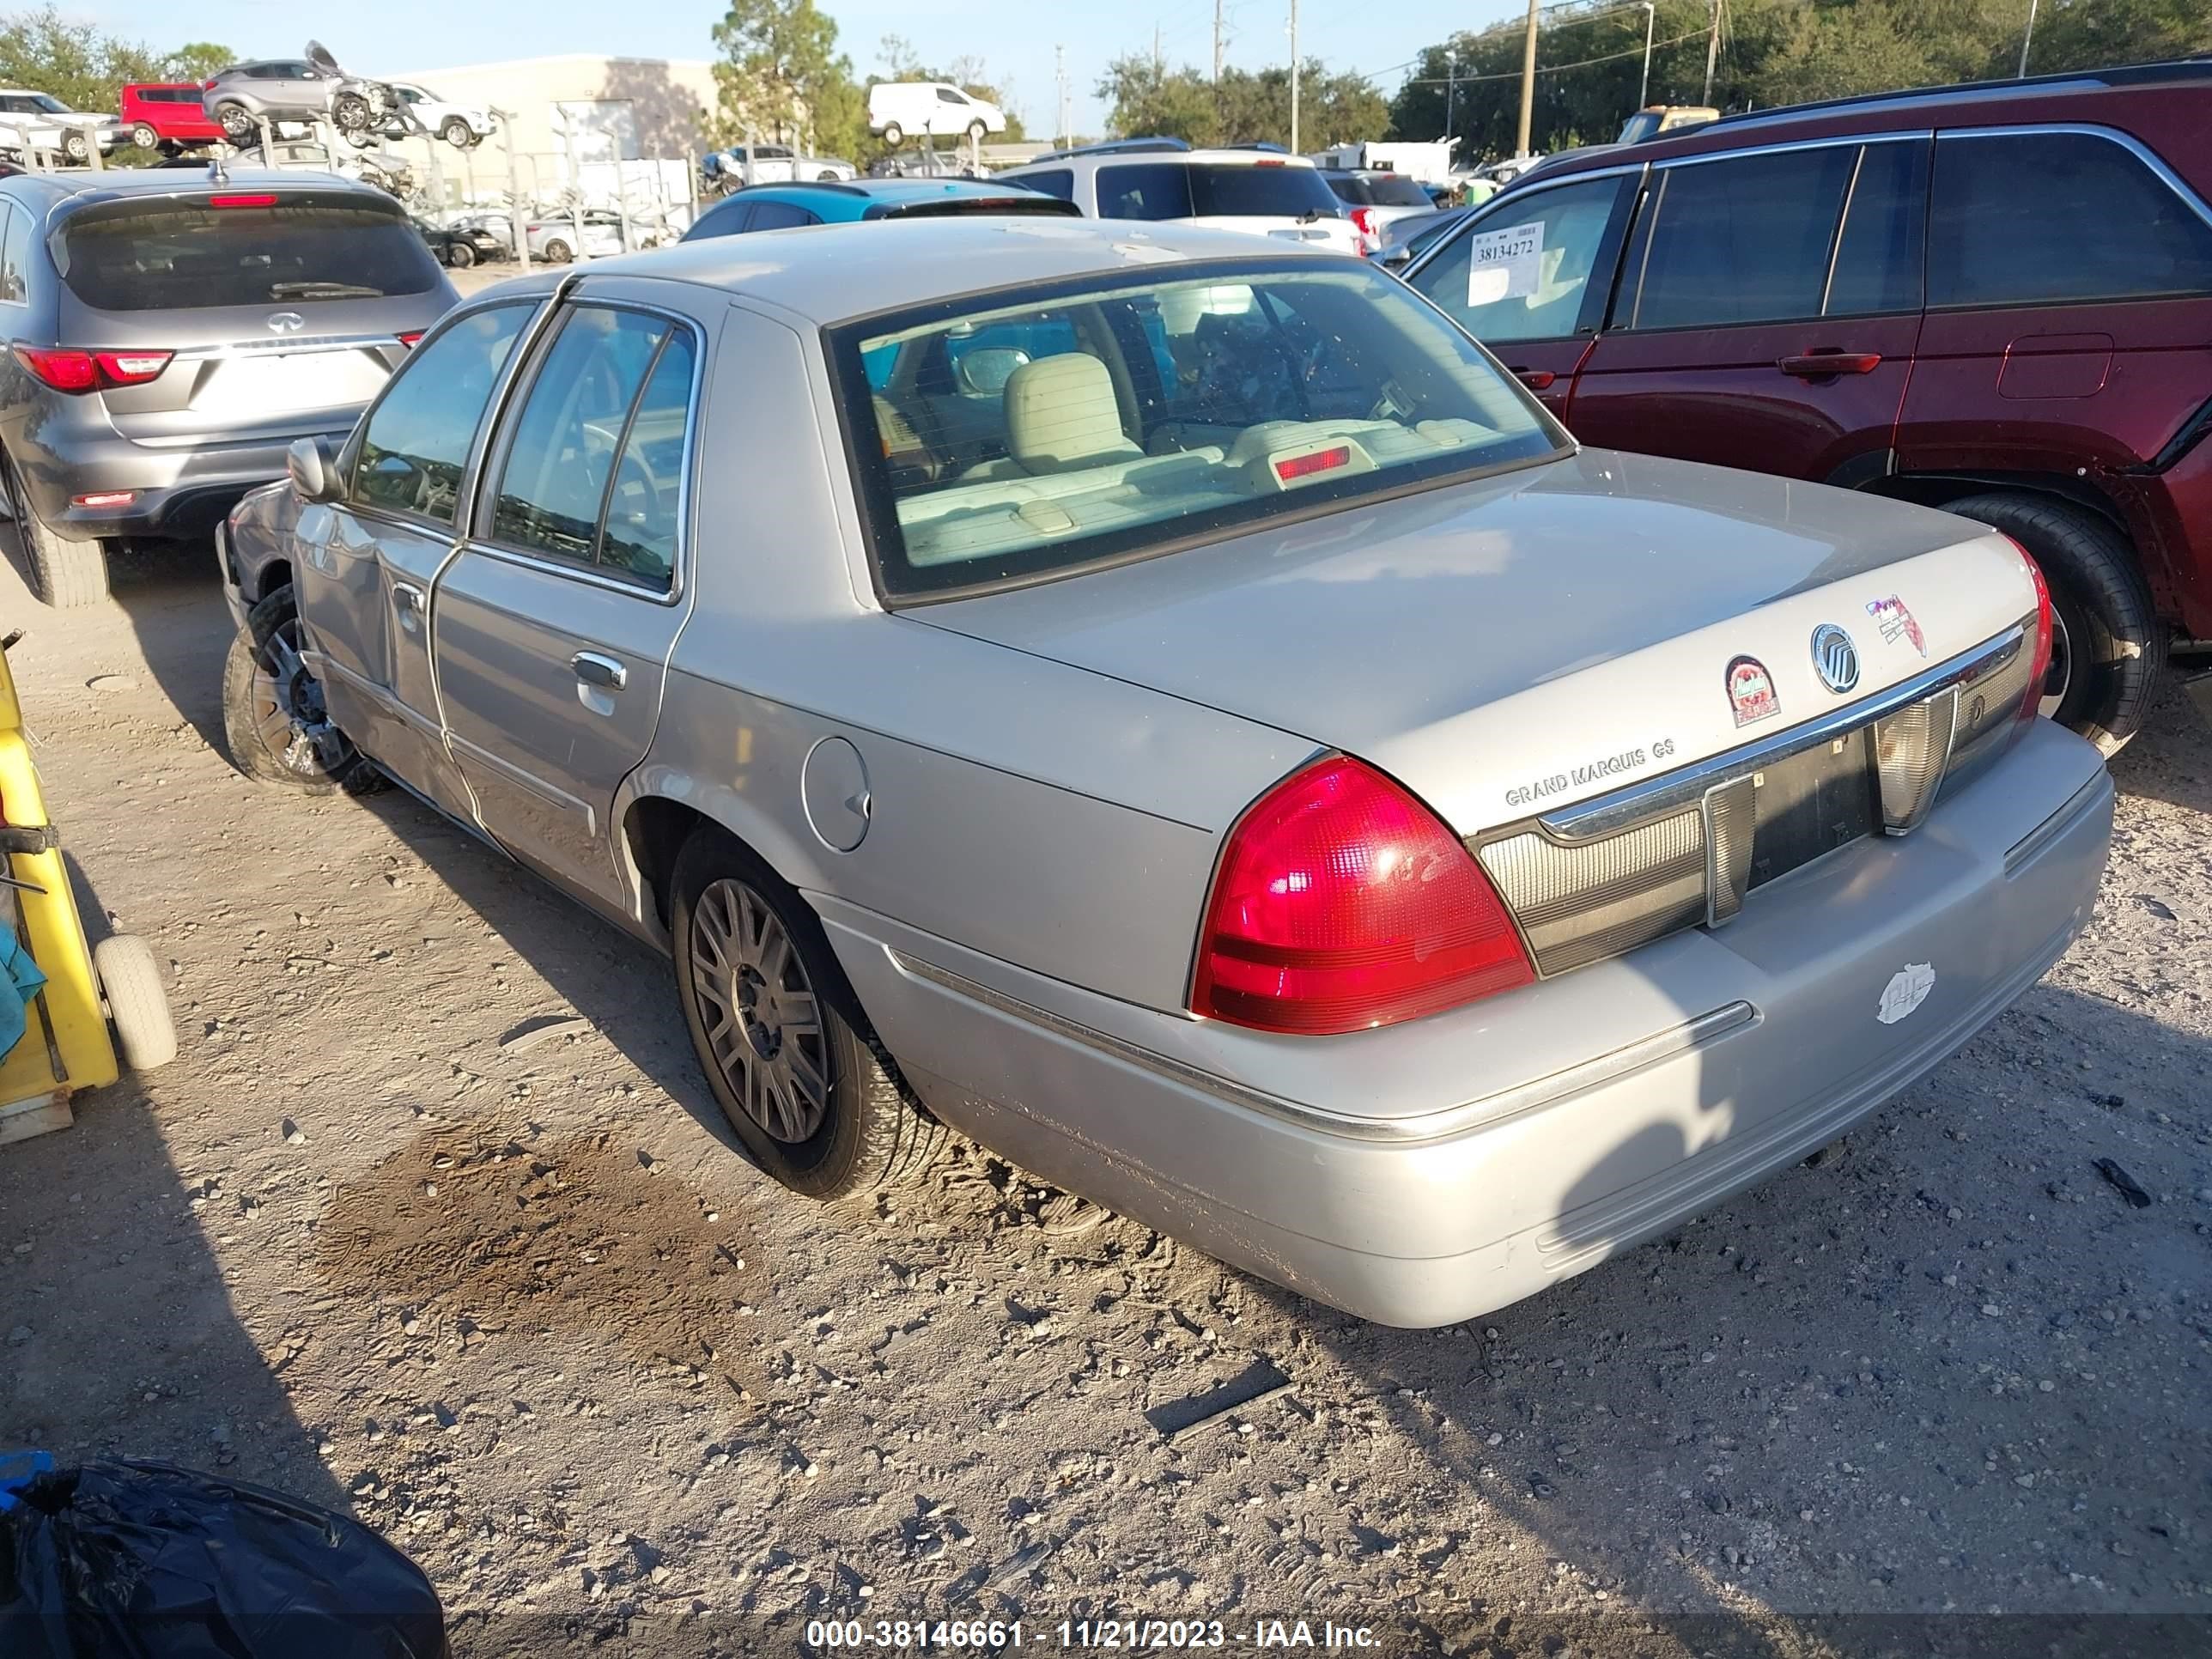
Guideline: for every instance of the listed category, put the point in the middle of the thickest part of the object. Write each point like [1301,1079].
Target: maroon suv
[1995,299]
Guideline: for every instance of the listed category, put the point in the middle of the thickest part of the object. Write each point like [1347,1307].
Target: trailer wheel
[138,1006]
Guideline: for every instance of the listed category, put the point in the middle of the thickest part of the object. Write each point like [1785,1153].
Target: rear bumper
[179,492]
[1589,1112]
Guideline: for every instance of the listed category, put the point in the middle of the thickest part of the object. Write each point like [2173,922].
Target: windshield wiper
[308,290]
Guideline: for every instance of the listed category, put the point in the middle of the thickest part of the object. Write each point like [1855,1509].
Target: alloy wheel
[287,708]
[759,1011]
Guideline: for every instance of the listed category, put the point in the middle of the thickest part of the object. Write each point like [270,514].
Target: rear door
[366,564]
[554,625]
[278,311]
[1530,278]
[2070,301]
[1760,324]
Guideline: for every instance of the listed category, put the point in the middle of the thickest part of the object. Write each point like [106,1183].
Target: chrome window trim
[1479,1112]
[2127,140]
[1679,790]
[500,446]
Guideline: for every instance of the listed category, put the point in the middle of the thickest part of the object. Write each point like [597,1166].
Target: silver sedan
[1169,707]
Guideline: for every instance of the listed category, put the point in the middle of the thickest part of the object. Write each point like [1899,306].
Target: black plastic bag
[142,1560]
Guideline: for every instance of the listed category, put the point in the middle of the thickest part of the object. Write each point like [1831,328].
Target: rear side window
[1265,190]
[1349,187]
[581,458]
[780,216]
[1151,190]
[182,255]
[2047,218]
[1879,257]
[731,218]
[418,436]
[1394,190]
[1745,241]
[1536,268]
[1059,182]
[16,256]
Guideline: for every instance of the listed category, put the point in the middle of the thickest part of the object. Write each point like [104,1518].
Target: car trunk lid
[1512,646]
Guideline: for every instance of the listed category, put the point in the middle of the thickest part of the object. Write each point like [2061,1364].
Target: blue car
[778,207]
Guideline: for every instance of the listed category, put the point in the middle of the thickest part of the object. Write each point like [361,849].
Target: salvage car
[168,331]
[787,207]
[1171,708]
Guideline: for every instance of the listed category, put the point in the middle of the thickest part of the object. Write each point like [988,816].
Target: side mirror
[1395,259]
[313,465]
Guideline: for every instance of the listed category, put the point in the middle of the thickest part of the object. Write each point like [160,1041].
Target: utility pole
[1451,87]
[1294,75]
[1712,50]
[1156,69]
[1528,82]
[1644,89]
[1060,71]
[1216,42]
[515,237]
[2028,39]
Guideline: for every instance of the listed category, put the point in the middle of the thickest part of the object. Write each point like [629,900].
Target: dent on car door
[1768,312]
[367,564]
[554,623]
[1531,279]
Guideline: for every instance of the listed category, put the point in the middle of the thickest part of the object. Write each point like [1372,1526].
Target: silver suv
[309,88]
[168,334]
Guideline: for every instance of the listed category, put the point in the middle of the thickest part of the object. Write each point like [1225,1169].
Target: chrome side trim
[2084,799]
[1399,1131]
[1675,791]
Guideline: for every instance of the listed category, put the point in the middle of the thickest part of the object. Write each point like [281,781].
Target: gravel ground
[382,1239]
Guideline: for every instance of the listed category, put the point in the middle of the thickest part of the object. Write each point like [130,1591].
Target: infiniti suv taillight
[1342,903]
[68,369]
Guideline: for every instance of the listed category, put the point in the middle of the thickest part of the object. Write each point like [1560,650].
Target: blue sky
[1015,39]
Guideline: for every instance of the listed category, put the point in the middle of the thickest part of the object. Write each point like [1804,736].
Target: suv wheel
[144,136]
[457,132]
[75,146]
[66,574]
[557,252]
[349,113]
[2107,644]
[236,124]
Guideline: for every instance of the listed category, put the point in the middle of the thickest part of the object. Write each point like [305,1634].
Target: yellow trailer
[101,1007]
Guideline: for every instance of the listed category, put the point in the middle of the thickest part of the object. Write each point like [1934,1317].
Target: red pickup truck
[158,112]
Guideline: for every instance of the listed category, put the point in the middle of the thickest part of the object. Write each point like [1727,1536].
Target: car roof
[2038,99]
[82,185]
[830,274]
[1249,158]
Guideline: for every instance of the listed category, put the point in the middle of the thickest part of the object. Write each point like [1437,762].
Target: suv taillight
[1342,903]
[2039,661]
[66,368]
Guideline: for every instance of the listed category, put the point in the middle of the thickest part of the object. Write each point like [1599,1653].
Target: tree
[901,63]
[86,70]
[781,77]
[1243,107]
[197,60]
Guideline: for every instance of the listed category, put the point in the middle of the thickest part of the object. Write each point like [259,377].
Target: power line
[1553,69]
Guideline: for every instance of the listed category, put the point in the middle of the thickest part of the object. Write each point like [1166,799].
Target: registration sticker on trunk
[1751,691]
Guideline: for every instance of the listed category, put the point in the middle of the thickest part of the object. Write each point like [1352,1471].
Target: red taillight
[1363,220]
[100,498]
[412,337]
[65,368]
[1342,903]
[1322,460]
[255,199]
[207,85]
[2039,661]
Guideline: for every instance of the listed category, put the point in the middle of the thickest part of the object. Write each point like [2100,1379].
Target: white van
[1162,178]
[897,108]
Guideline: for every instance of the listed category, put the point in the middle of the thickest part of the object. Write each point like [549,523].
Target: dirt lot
[516,1304]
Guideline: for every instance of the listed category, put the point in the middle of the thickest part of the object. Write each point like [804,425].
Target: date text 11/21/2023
[993,1636]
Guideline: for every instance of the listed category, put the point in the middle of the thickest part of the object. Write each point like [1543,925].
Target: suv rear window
[1100,420]
[1396,190]
[175,255]
[1188,190]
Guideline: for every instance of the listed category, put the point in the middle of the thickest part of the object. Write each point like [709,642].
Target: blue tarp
[19,979]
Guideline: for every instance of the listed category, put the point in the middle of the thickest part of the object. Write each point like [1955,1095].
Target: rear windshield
[1395,190]
[169,254]
[1009,439]
[1199,190]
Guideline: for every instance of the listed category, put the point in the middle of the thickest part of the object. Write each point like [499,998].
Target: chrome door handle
[605,673]
[405,596]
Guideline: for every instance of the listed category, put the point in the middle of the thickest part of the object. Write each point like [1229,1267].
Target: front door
[388,539]
[553,626]
[1529,277]
[1768,314]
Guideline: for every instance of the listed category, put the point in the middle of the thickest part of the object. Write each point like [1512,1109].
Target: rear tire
[893,133]
[727,912]
[458,133]
[2109,645]
[236,123]
[145,138]
[976,132]
[65,575]
[557,252]
[459,255]
[76,147]
[258,715]
[137,1004]
[349,113]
